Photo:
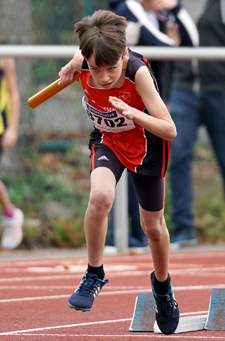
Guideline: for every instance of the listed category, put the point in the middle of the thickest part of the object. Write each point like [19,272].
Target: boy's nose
[104,77]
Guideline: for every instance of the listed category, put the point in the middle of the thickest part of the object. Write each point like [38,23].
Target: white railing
[161,53]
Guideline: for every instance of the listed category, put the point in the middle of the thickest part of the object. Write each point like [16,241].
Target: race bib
[110,121]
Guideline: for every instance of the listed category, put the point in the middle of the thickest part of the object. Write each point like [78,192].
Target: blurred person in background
[152,23]
[157,23]
[197,97]
[12,219]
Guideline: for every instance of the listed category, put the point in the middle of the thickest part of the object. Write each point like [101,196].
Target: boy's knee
[153,233]
[101,199]
[154,227]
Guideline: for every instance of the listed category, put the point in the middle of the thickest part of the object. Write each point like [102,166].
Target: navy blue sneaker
[184,237]
[166,310]
[83,297]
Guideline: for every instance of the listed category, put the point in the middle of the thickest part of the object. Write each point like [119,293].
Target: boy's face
[105,77]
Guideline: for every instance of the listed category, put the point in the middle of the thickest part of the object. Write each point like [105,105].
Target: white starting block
[144,315]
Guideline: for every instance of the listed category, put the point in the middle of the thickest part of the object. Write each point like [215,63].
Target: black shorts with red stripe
[150,190]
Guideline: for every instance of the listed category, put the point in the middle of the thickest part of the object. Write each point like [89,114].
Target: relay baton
[49,91]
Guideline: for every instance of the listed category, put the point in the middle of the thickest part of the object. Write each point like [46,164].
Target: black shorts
[150,190]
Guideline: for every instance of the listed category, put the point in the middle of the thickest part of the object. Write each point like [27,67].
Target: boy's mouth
[107,85]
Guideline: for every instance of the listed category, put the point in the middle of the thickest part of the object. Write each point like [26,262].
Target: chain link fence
[47,174]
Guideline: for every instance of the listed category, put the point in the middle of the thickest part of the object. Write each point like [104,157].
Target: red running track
[34,294]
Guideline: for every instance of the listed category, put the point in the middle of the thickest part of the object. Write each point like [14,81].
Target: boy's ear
[125,52]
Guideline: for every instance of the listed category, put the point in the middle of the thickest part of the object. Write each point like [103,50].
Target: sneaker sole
[82,309]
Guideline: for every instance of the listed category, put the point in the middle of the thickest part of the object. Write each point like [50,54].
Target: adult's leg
[4,197]
[184,111]
[12,221]
[213,112]
[134,215]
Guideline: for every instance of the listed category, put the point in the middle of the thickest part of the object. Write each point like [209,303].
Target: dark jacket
[205,75]
[150,36]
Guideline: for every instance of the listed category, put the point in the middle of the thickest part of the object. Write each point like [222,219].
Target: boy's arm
[159,121]
[9,138]
[67,72]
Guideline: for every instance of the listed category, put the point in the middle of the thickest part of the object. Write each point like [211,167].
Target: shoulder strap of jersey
[136,60]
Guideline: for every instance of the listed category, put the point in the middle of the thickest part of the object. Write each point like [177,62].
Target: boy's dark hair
[104,34]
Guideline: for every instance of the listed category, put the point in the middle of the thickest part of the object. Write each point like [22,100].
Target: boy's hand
[121,107]
[66,73]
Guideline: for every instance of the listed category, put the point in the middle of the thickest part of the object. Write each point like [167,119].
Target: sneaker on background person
[184,237]
[89,287]
[166,308]
[12,230]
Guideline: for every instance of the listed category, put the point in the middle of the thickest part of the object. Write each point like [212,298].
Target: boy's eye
[112,68]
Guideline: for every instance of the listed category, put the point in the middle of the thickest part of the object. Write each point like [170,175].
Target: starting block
[216,316]
[144,315]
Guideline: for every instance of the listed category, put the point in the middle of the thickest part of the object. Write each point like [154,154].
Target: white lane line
[65,326]
[128,271]
[135,335]
[24,332]
[59,261]
[55,287]
[38,278]
[33,298]
[36,287]
[67,269]
[213,269]
[120,292]
[191,272]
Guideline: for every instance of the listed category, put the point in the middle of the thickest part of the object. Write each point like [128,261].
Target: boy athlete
[132,129]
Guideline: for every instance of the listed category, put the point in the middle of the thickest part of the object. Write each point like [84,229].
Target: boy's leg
[106,170]
[154,226]
[151,197]
[102,195]
[167,311]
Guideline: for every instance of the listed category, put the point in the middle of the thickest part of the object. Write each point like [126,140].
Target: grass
[53,194]
[209,207]
[54,189]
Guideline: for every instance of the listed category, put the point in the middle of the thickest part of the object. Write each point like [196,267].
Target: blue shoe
[134,242]
[83,297]
[184,238]
[166,310]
